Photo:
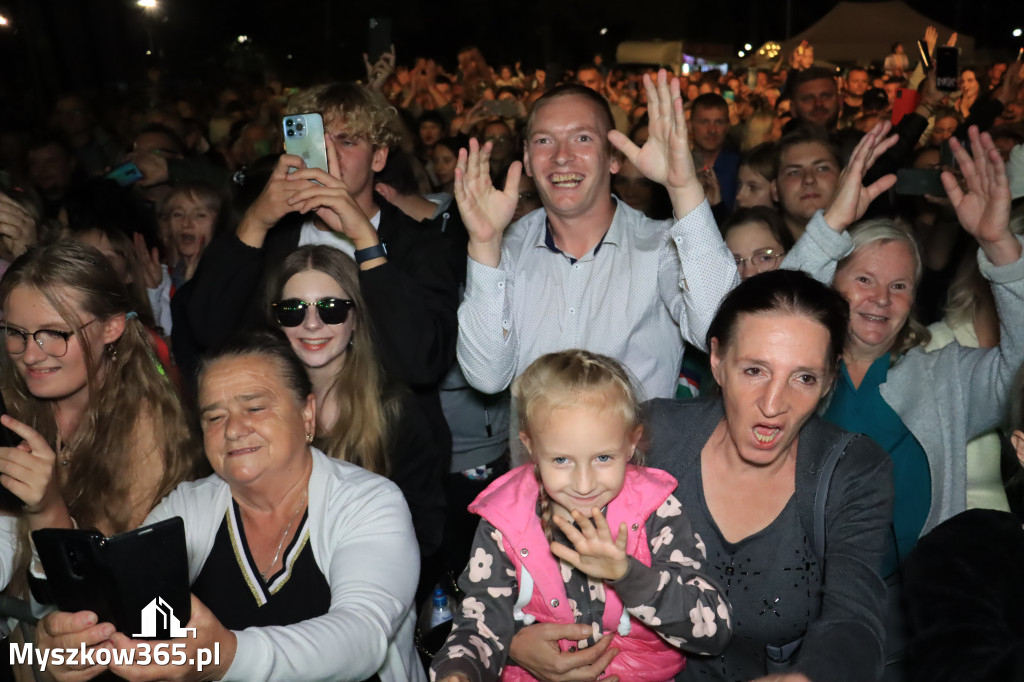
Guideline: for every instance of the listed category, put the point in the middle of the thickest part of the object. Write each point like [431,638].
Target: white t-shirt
[311,234]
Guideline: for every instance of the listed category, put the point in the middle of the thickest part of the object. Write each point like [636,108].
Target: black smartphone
[919,181]
[947,68]
[378,38]
[926,59]
[136,580]
[9,502]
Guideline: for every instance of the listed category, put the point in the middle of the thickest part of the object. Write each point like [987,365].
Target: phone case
[304,136]
[125,175]
[136,580]
[906,102]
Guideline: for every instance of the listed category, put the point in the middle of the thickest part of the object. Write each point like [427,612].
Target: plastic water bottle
[440,610]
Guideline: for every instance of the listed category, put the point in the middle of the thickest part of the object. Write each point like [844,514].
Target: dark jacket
[846,642]
[965,600]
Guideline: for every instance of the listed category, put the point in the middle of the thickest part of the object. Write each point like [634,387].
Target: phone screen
[947,68]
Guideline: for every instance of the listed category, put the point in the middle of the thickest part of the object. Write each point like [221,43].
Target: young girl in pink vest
[583,534]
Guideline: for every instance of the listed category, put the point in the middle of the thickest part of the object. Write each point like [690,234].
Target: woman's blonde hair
[883,231]
[571,378]
[132,388]
[366,410]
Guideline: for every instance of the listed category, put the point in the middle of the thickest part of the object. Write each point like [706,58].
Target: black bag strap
[821,493]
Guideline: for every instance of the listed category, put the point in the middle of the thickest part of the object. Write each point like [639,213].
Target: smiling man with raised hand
[587,271]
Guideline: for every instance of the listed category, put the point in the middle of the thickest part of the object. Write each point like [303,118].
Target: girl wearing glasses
[361,416]
[105,435]
[758,239]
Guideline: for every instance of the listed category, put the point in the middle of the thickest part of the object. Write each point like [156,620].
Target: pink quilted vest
[510,504]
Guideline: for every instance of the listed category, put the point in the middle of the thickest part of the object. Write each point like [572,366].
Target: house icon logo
[158,620]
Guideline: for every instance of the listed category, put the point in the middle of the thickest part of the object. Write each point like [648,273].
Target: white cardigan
[362,539]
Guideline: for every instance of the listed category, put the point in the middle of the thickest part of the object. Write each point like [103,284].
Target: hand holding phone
[947,68]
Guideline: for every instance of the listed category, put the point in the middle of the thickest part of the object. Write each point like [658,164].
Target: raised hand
[852,198]
[665,158]
[29,471]
[931,39]
[984,210]
[272,203]
[18,228]
[485,209]
[596,554]
[378,72]
[149,261]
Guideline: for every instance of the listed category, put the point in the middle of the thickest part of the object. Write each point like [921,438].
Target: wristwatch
[371,252]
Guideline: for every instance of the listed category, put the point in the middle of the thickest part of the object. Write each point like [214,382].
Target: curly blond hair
[364,113]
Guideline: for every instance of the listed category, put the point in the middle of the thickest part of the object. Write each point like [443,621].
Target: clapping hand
[852,198]
[485,209]
[984,210]
[596,554]
[665,158]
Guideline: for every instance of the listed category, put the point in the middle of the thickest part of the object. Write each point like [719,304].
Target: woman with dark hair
[750,469]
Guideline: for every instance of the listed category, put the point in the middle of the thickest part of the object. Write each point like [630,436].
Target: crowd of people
[657,376]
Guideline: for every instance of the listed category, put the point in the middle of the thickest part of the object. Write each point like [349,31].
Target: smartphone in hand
[947,68]
[304,136]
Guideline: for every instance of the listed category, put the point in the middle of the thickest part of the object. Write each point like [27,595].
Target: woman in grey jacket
[921,407]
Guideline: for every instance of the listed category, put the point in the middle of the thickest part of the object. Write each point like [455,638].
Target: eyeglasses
[291,312]
[762,260]
[53,342]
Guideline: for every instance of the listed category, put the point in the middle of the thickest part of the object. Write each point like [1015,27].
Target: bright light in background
[741,53]
[146,4]
[243,39]
[747,46]
[1016,33]
[3,21]
[686,68]
[604,31]
[149,52]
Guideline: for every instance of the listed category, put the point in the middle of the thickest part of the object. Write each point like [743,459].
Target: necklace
[287,528]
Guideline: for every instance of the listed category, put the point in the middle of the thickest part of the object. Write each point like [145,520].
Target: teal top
[863,410]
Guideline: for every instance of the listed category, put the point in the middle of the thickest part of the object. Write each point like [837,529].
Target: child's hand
[596,553]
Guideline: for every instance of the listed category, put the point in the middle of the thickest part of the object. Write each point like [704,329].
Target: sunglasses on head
[291,312]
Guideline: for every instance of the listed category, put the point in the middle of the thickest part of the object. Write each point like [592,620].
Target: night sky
[90,44]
